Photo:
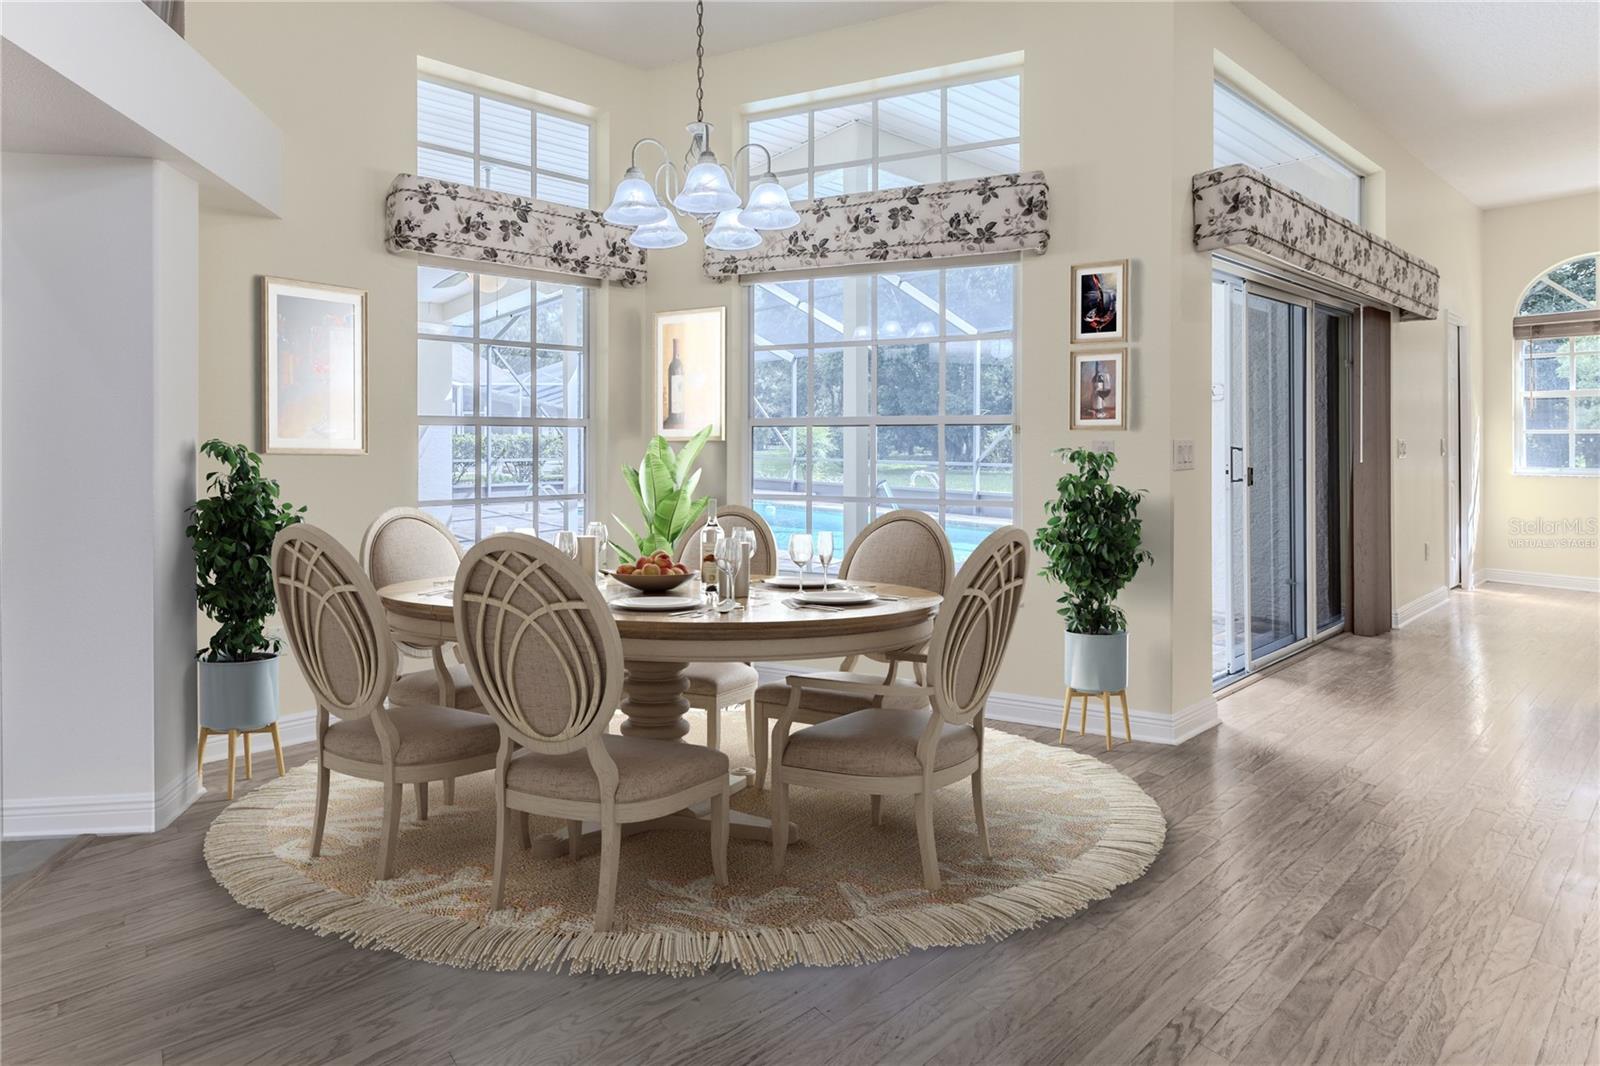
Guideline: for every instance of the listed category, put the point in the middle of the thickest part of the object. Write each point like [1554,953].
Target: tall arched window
[1557,330]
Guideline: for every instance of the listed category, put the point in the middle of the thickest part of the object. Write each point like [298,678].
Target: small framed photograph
[313,368]
[1100,389]
[1100,302]
[690,352]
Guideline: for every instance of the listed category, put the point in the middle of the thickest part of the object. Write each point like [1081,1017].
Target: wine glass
[567,542]
[825,553]
[727,559]
[602,542]
[800,552]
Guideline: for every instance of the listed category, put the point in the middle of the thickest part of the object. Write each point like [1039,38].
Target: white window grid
[873,162]
[1572,348]
[940,505]
[479,160]
[481,499]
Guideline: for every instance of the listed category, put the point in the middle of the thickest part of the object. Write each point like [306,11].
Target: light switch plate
[1103,445]
[1400,449]
[1183,455]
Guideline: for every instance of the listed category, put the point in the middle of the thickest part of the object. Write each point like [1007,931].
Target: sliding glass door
[1279,501]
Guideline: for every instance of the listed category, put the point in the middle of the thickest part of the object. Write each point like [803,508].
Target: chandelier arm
[633,157]
[747,147]
[667,190]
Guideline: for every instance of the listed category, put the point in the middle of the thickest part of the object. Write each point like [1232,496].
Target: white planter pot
[240,695]
[1097,663]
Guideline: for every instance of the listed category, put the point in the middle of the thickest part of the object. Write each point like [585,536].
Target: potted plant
[232,528]
[1091,544]
[664,489]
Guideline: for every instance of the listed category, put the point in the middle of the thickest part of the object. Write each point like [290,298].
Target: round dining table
[657,647]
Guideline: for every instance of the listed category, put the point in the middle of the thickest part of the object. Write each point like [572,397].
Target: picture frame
[1099,389]
[313,368]
[696,340]
[1102,303]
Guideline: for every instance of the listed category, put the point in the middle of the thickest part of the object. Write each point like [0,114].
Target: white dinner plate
[837,597]
[658,603]
[792,581]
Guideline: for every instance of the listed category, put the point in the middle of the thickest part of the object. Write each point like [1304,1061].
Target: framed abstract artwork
[1100,302]
[689,365]
[313,368]
[1100,389]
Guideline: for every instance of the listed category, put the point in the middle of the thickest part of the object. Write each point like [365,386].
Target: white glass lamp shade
[665,233]
[635,203]
[706,189]
[769,207]
[730,234]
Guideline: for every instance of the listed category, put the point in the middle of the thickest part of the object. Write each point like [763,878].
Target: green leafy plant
[231,528]
[664,489]
[1091,542]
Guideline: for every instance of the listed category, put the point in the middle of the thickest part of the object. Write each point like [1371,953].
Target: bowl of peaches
[653,573]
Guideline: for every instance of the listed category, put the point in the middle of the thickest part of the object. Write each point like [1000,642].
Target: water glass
[602,537]
[800,553]
[825,553]
[567,542]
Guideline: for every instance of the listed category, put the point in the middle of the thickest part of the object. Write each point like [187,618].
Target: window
[497,143]
[942,133]
[894,388]
[1242,131]
[502,402]
[1557,333]
[878,391]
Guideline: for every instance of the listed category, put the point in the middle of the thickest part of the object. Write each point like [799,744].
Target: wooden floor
[1388,852]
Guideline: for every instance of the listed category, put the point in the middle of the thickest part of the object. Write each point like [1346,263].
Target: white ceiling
[661,33]
[1502,100]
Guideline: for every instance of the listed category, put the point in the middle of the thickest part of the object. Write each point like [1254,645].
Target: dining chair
[339,633]
[543,649]
[901,547]
[714,687]
[408,544]
[883,750]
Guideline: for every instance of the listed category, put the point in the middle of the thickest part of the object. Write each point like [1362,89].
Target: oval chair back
[735,517]
[539,642]
[902,547]
[335,624]
[974,625]
[407,544]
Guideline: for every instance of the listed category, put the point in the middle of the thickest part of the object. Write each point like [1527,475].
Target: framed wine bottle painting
[689,378]
[1100,389]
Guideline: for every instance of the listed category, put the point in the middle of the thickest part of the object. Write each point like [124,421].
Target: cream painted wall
[1519,244]
[1118,119]
[340,81]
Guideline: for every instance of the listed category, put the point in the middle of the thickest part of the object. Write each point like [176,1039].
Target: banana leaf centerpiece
[663,487]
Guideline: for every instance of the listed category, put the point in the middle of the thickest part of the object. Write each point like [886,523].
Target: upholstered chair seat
[915,750]
[714,687]
[877,742]
[427,735]
[421,688]
[646,770]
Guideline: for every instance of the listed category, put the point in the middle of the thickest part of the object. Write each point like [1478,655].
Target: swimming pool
[787,517]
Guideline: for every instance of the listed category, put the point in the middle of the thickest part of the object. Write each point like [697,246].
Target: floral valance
[443,218]
[975,216]
[1236,206]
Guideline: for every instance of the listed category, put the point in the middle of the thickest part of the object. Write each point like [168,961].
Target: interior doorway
[1282,458]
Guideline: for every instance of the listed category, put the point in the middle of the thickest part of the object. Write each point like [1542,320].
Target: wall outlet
[1183,455]
[1399,449]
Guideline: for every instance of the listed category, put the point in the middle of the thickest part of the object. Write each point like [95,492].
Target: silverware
[797,605]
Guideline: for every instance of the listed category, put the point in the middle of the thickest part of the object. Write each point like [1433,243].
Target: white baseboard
[292,729]
[1539,580]
[112,814]
[1154,727]
[1420,606]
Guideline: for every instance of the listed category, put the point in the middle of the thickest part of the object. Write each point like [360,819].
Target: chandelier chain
[700,61]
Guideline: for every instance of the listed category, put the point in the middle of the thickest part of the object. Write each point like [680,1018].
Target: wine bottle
[675,391]
[710,537]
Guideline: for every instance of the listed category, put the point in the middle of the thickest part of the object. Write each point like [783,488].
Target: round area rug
[1064,831]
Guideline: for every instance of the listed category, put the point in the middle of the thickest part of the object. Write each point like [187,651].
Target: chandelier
[705,188]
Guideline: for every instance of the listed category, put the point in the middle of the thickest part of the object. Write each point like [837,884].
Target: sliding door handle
[1233,476]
